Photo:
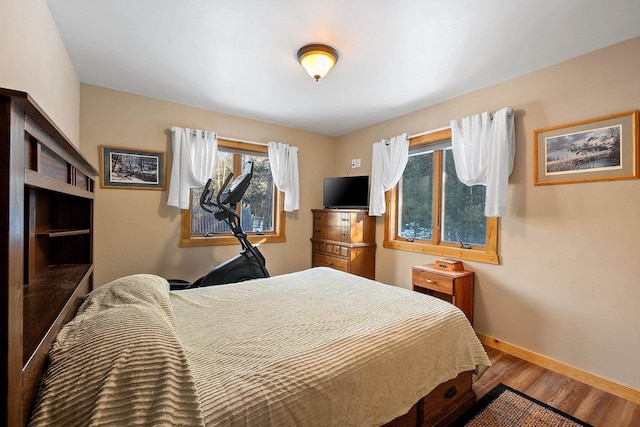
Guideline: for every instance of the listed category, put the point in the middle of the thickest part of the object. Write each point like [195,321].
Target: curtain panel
[283,160]
[388,162]
[195,156]
[483,153]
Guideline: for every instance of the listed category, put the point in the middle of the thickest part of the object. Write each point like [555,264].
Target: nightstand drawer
[434,282]
[321,260]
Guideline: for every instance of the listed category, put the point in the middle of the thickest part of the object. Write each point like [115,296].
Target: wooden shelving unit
[46,198]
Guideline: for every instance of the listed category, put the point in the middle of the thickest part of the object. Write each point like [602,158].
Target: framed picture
[599,149]
[128,168]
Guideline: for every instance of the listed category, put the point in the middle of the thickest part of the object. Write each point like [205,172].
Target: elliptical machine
[249,263]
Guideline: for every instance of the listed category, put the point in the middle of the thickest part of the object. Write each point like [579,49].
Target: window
[430,211]
[261,209]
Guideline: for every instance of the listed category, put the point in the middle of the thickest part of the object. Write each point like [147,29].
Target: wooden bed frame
[46,208]
[440,407]
[47,211]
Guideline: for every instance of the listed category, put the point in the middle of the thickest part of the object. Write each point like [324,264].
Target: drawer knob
[329,264]
[450,393]
[430,281]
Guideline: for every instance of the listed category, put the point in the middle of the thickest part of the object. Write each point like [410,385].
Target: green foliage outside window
[463,208]
[258,200]
[462,215]
[256,207]
[416,213]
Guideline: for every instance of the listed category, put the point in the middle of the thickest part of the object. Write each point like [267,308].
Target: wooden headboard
[46,202]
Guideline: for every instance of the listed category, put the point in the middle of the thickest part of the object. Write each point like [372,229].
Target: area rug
[506,407]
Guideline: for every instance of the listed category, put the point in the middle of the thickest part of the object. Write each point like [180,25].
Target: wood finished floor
[589,404]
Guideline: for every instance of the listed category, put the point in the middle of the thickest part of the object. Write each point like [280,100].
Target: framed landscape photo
[599,149]
[129,168]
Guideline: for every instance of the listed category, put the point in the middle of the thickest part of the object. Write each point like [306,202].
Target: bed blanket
[319,348]
[120,363]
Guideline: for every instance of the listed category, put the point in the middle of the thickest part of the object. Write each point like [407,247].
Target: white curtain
[388,162]
[483,153]
[283,161]
[195,155]
[470,146]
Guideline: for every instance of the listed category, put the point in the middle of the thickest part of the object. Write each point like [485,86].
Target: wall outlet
[355,163]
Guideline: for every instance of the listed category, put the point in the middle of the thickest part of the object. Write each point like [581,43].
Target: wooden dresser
[46,198]
[344,239]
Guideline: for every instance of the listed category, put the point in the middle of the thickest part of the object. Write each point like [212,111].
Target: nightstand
[455,287]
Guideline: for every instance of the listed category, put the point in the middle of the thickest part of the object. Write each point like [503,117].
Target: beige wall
[135,230]
[568,285]
[33,59]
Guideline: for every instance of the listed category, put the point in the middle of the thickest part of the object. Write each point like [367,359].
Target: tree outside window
[261,208]
[431,211]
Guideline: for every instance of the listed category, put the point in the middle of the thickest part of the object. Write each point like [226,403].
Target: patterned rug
[506,407]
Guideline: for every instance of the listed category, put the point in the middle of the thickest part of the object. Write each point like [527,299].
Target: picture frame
[600,149]
[130,168]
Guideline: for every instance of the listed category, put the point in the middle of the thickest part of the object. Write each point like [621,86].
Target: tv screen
[346,192]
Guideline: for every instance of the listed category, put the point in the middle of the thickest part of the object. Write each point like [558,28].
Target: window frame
[487,253]
[275,236]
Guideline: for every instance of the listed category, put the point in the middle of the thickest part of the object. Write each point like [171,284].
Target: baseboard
[595,381]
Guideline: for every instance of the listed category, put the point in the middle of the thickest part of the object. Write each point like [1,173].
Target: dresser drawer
[322,260]
[339,234]
[341,250]
[434,282]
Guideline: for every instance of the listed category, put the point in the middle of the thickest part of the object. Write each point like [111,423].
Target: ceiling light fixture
[317,59]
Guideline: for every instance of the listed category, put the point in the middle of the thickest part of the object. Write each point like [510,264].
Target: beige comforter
[119,363]
[314,348]
[319,348]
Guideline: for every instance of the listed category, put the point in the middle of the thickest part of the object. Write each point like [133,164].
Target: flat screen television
[346,192]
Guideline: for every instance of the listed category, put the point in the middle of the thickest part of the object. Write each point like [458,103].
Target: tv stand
[344,239]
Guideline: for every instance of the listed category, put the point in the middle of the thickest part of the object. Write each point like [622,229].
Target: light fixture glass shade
[317,59]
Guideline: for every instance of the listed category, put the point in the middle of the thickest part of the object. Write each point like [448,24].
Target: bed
[314,348]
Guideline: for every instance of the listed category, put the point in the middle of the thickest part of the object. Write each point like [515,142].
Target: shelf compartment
[34,362]
[58,227]
[44,299]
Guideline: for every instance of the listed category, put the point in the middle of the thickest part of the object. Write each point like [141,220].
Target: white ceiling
[238,56]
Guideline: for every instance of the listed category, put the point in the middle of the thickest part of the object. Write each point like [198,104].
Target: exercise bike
[249,263]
